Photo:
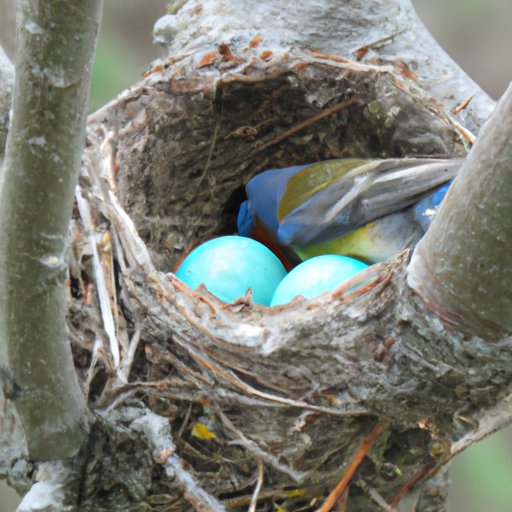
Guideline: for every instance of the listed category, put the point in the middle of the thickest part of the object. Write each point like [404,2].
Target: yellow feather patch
[312,179]
[357,244]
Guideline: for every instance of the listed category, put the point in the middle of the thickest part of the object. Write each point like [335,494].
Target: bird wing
[332,198]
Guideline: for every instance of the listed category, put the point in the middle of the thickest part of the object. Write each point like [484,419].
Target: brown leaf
[156,69]
[404,69]
[255,41]
[266,55]
[361,52]
[207,59]
[228,55]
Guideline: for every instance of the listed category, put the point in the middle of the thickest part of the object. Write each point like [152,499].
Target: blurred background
[476,33]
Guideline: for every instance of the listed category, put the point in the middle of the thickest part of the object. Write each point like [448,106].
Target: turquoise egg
[315,276]
[229,265]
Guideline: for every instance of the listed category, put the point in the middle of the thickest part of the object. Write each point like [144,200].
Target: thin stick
[304,124]
[462,105]
[375,496]
[157,430]
[360,454]
[343,501]
[101,285]
[258,452]
[257,489]
[230,377]
[413,481]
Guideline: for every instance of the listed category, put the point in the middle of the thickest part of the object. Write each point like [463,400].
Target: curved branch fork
[280,399]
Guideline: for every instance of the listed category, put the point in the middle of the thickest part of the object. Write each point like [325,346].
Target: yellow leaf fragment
[201,431]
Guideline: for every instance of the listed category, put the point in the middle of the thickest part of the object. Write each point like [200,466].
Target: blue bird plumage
[369,209]
[425,209]
[264,192]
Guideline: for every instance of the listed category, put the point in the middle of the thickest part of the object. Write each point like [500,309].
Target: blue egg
[229,265]
[315,276]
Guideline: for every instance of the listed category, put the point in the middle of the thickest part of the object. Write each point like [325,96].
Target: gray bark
[7,30]
[462,267]
[199,405]
[389,31]
[42,157]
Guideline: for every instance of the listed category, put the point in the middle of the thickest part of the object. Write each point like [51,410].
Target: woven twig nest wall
[195,134]
[201,405]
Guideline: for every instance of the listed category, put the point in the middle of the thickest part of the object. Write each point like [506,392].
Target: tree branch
[461,268]
[383,32]
[56,42]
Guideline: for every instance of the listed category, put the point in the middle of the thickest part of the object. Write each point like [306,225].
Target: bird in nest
[369,209]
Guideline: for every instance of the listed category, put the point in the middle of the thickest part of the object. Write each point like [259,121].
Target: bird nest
[203,405]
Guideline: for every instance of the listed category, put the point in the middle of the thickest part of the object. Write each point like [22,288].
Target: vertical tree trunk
[56,42]
[462,267]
